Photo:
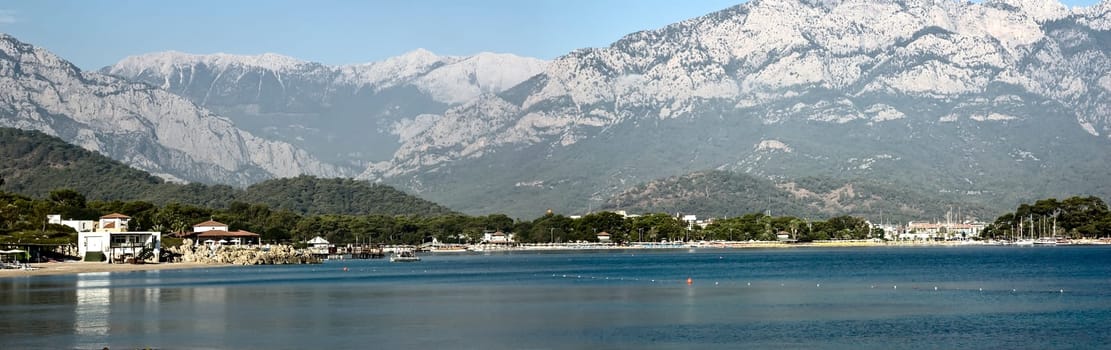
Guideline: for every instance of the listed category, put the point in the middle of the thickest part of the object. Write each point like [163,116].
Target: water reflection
[93,309]
[209,304]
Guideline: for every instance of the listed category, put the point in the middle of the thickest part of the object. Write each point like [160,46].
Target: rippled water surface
[946,298]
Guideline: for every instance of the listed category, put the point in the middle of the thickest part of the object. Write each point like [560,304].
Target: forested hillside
[34,164]
[310,195]
[728,194]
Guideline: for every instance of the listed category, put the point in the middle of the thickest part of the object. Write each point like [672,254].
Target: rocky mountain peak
[25,59]
[1097,17]
[483,73]
[142,126]
[393,70]
[165,62]
[1039,10]
[419,57]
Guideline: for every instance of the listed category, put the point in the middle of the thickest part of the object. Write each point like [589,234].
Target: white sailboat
[1022,240]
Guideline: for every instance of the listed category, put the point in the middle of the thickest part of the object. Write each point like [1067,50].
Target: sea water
[851,298]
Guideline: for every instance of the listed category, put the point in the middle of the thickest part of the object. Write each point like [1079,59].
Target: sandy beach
[43,269]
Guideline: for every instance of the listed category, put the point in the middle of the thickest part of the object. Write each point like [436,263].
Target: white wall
[197,229]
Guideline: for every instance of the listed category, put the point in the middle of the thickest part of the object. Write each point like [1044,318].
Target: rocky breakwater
[243,255]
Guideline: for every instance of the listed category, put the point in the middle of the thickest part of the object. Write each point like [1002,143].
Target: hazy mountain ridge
[322,108]
[892,91]
[145,127]
[452,79]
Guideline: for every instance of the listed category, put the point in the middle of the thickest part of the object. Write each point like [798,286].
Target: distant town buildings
[913,230]
[933,231]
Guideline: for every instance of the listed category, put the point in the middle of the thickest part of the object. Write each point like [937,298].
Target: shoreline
[79,267]
[73,268]
[734,245]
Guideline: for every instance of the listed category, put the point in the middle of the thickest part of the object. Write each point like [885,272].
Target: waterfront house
[603,237]
[318,245]
[237,237]
[212,232]
[111,237]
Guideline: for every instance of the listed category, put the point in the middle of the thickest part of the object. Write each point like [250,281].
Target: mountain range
[988,104]
[348,115]
[985,103]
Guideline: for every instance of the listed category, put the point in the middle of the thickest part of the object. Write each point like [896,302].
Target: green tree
[658,226]
[550,228]
[608,222]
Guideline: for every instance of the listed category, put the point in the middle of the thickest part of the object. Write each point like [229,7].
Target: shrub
[94,256]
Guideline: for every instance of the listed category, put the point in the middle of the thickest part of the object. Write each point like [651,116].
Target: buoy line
[690,281]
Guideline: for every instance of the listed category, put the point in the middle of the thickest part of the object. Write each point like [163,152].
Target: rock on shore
[243,255]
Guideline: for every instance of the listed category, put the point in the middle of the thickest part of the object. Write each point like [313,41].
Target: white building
[216,233]
[318,245]
[77,225]
[692,221]
[496,237]
[941,230]
[209,226]
[111,237]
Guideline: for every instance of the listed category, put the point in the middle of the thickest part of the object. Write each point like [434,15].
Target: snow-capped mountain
[985,99]
[135,123]
[326,109]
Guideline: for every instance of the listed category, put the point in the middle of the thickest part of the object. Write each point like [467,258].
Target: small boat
[1046,241]
[404,256]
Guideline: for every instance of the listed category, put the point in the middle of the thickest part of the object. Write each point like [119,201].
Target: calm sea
[877,298]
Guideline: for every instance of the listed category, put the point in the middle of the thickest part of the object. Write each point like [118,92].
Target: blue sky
[93,34]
